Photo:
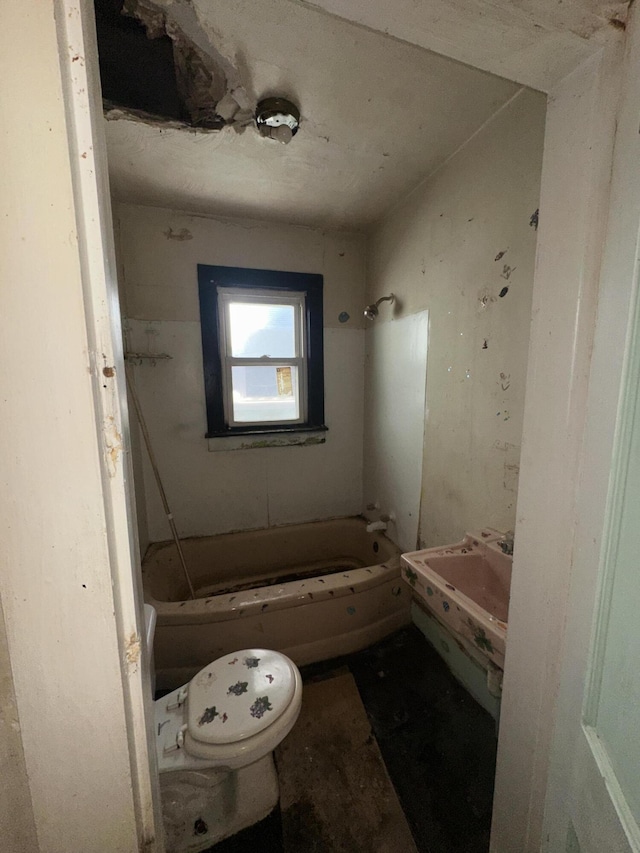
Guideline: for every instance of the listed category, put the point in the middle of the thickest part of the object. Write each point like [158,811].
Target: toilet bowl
[215,738]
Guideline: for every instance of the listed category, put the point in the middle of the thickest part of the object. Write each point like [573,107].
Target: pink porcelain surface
[466,586]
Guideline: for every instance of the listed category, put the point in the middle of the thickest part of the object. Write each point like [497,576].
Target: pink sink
[466,586]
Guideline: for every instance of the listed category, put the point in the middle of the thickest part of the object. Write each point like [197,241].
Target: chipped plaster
[377,117]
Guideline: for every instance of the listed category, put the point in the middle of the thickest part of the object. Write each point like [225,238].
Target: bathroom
[423,402]
[424,405]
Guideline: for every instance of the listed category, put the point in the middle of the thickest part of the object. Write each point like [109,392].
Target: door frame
[77,42]
[613,383]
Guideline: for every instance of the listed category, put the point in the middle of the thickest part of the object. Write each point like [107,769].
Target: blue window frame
[262,344]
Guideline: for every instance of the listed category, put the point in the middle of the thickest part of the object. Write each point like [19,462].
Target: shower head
[371,311]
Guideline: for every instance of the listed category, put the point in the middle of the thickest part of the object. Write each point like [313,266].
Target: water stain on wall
[180,236]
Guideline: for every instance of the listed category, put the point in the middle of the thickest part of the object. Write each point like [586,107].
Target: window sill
[302,437]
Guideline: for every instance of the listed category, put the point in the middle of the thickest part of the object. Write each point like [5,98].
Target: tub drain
[200,827]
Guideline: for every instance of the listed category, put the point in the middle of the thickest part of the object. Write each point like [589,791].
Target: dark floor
[438,745]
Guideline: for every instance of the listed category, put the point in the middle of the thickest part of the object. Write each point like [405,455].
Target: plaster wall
[216,492]
[395,378]
[460,240]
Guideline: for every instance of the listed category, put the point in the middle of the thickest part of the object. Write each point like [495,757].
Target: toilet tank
[150,617]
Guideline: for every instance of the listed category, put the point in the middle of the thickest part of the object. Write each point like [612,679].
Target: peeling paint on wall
[511,464]
[507,272]
[290,441]
[113,444]
[133,649]
[485,297]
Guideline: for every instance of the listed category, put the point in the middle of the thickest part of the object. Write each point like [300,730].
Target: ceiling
[534,42]
[378,116]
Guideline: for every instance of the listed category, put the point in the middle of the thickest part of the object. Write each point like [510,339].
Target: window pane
[257,329]
[266,393]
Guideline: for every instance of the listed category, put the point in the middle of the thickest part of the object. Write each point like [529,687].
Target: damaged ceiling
[378,115]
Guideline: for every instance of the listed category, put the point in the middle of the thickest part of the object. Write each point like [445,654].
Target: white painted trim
[623,447]
[574,203]
[617,310]
[297,300]
[72,667]
[88,158]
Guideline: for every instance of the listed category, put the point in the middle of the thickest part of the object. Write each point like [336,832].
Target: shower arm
[390,298]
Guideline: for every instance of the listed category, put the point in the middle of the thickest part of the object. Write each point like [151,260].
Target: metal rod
[390,298]
[154,465]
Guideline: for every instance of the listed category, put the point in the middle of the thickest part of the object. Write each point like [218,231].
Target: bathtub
[466,587]
[313,591]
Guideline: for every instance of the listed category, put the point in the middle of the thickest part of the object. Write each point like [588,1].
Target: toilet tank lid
[239,695]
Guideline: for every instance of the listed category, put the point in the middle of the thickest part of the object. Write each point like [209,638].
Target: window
[262,348]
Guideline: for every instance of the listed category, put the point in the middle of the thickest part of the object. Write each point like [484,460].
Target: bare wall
[215,492]
[462,239]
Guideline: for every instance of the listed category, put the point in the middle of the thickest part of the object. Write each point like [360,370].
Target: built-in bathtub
[466,587]
[313,591]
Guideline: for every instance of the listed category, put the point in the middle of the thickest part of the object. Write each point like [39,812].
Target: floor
[437,743]
[335,791]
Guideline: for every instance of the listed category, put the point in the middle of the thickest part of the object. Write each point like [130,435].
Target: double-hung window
[262,347]
[263,356]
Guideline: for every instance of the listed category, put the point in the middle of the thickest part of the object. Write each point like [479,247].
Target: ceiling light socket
[278,118]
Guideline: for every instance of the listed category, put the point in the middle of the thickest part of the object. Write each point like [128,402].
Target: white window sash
[227,295]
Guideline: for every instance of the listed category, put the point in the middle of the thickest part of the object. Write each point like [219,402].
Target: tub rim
[224,606]
[254,600]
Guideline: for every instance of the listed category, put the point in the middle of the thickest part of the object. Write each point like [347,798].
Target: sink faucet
[506,543]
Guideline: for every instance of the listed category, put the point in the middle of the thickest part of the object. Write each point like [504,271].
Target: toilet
[215,738]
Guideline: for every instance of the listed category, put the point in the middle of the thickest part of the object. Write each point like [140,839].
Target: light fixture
[278,118]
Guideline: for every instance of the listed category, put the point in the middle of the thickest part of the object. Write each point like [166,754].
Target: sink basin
[466,586]
[479,578]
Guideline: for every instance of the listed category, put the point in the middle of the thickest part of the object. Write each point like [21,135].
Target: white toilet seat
[233,712]
[238,696]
